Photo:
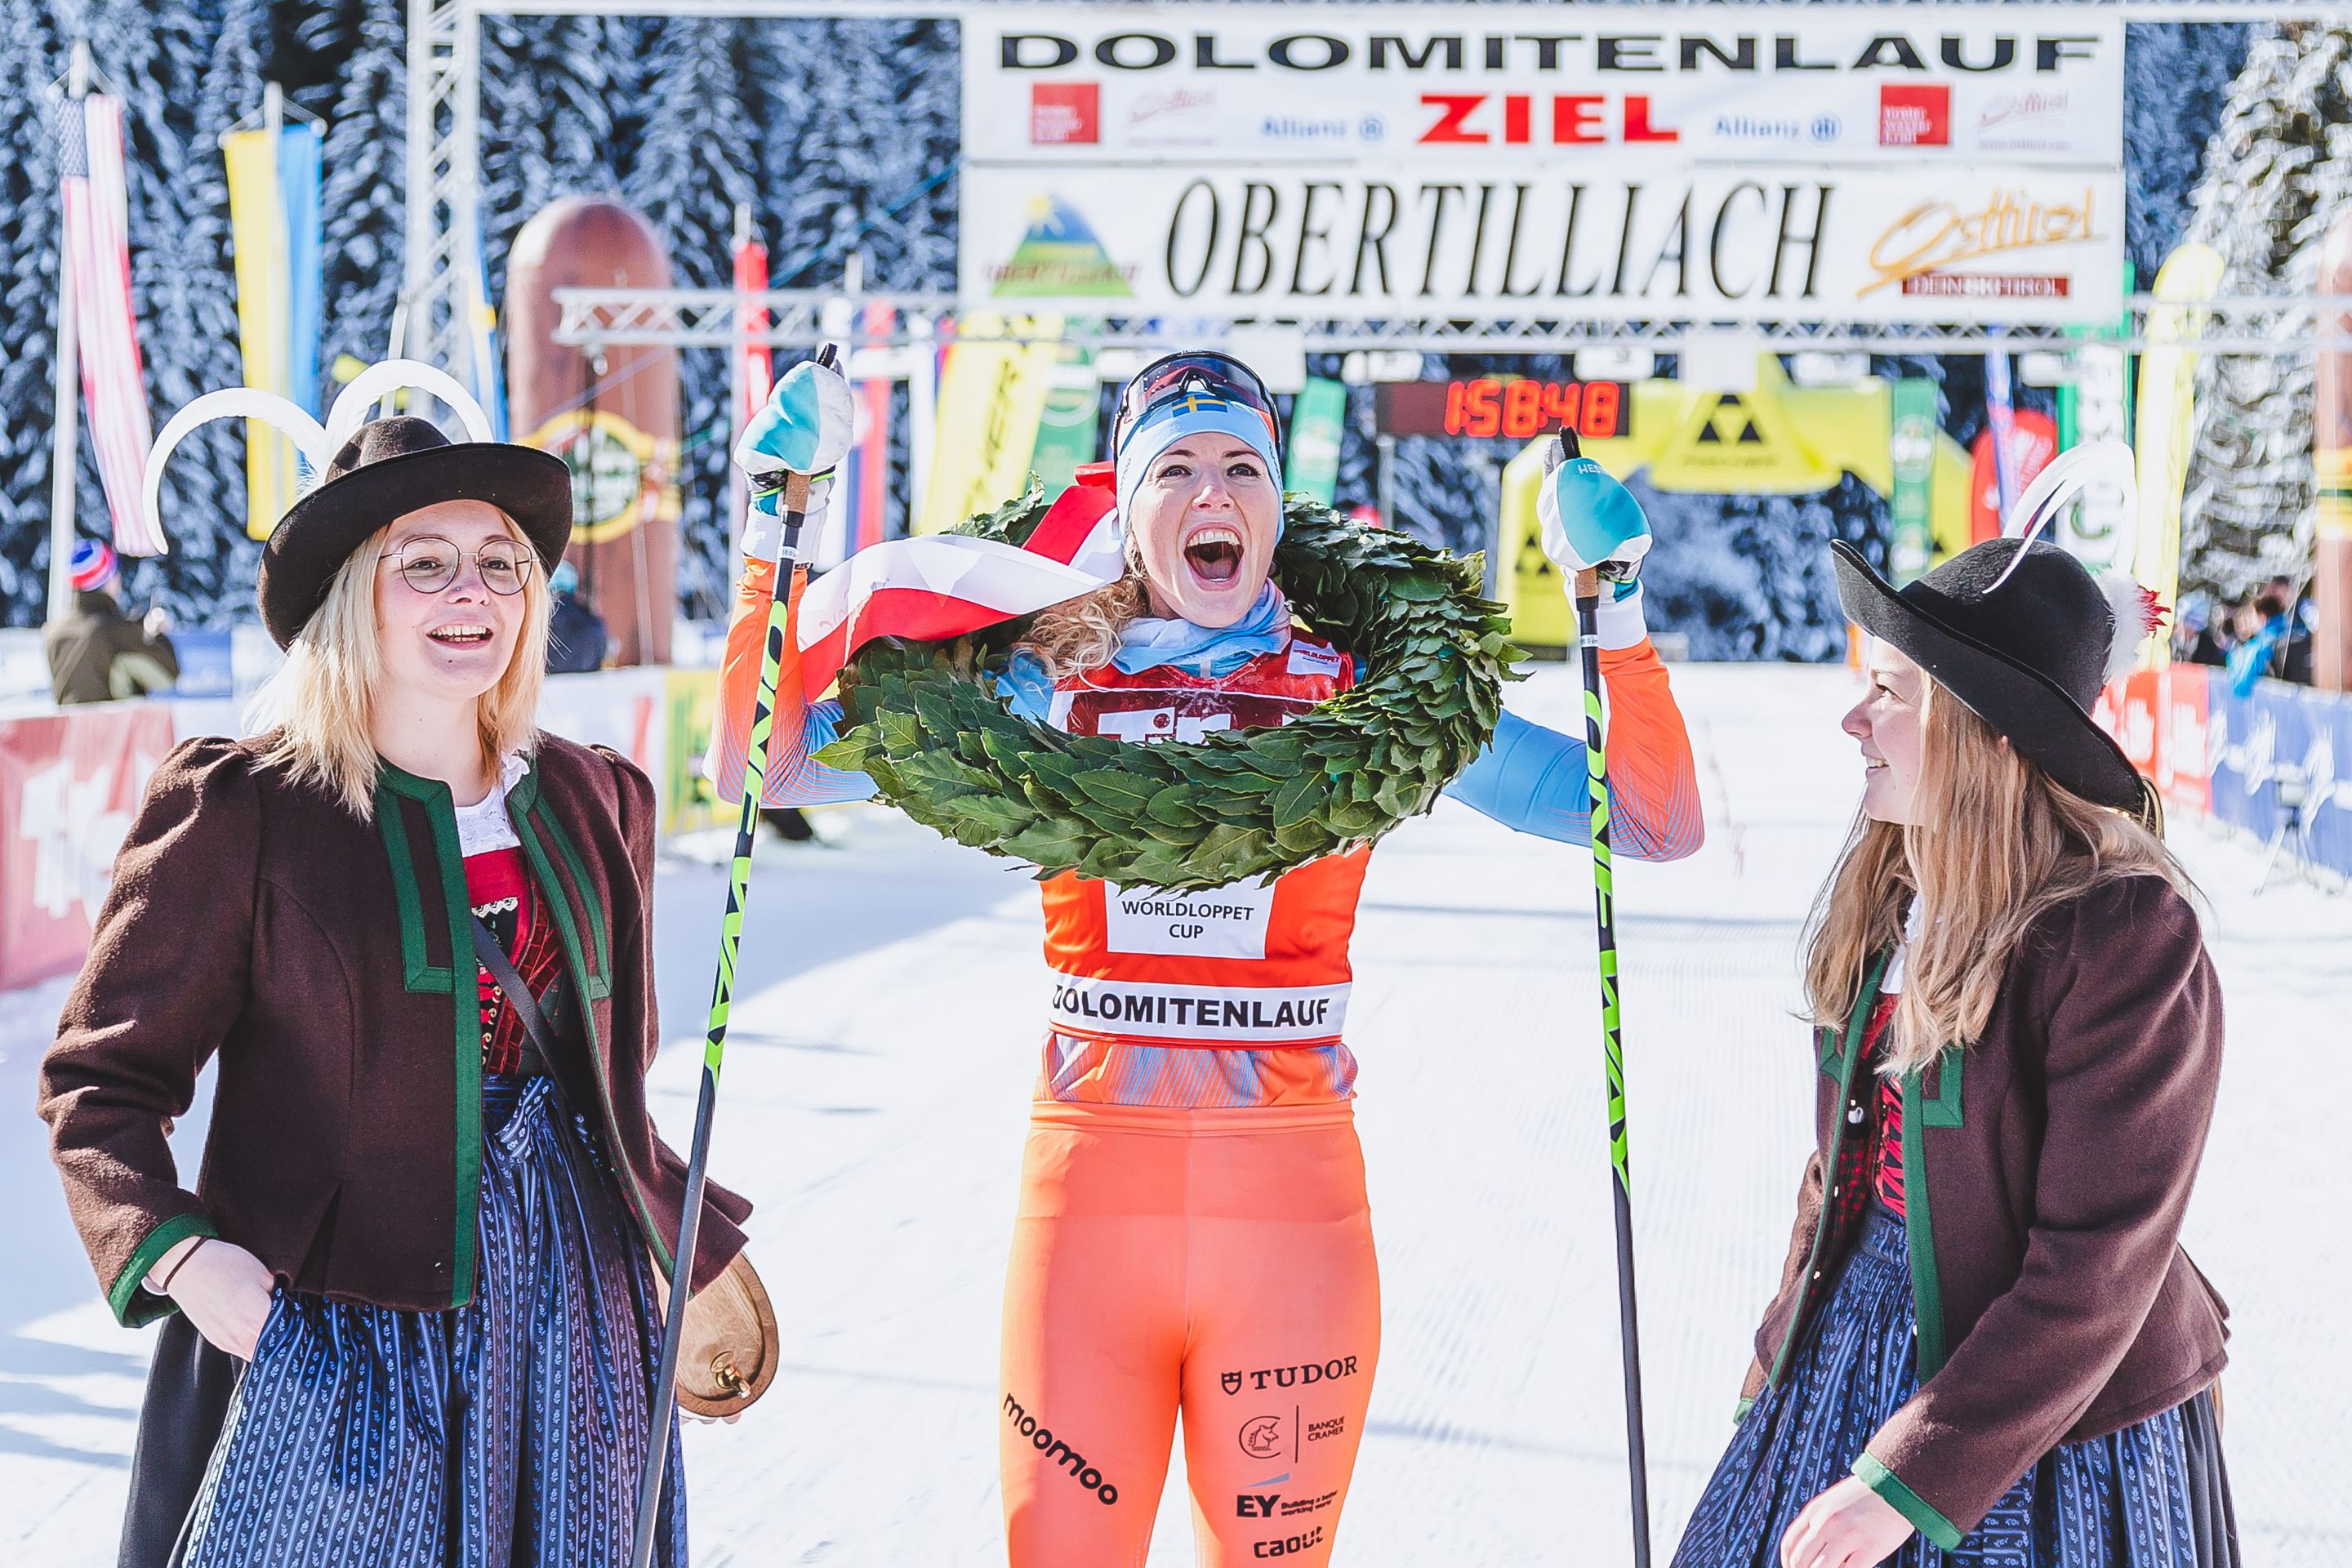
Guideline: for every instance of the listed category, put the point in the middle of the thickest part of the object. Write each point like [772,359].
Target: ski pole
[795,501]
[1588,609]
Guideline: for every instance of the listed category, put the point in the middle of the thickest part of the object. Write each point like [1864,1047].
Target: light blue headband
[1197,414]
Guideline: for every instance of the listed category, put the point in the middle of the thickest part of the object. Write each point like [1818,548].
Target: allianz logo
[1769,128]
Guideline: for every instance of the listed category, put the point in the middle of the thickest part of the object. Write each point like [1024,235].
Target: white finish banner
[1587,239]
[1399,84]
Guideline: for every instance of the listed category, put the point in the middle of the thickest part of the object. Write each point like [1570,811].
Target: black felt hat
[2027,650]
[393,466]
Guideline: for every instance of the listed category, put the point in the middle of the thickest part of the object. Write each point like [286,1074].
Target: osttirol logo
[1058,258]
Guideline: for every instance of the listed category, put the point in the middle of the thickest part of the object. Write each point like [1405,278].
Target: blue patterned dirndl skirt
[506,1432]
[2153,1494]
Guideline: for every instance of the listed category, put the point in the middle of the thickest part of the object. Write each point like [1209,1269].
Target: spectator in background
[97,653]
[2293,662]
[576,638]
[2274,642]
[2195,640]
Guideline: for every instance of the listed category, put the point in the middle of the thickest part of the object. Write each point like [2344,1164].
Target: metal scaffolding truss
[440,286]
[705,318]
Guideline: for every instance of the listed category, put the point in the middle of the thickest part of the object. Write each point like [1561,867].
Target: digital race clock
[1515,410]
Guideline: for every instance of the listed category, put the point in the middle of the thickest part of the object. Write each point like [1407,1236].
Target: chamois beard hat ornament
[2026,635]
[362,473]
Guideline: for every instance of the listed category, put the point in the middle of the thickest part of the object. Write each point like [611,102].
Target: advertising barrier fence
[71,782]
[2268,762]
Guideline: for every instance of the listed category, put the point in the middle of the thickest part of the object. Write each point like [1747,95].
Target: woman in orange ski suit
[1192,1234]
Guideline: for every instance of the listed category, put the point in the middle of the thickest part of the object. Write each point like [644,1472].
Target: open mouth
[1215,554]
[460,636]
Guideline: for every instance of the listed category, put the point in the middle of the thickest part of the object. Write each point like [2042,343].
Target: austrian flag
[945,585]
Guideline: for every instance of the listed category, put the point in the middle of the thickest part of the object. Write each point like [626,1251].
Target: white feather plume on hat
[2137,612]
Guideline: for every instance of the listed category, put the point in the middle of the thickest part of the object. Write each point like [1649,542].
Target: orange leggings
[1216,1262]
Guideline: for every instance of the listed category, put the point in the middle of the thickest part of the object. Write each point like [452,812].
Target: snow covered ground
[877,1083]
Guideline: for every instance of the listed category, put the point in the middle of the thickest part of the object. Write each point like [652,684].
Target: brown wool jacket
[328,962]
[2047,1170]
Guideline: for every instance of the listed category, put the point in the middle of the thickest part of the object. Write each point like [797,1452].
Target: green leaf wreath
[924,722]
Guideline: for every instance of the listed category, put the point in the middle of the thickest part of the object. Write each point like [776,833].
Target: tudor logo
[1302,1376]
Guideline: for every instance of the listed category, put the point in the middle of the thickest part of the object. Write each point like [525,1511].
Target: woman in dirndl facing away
[410,1303]
[1988,1347]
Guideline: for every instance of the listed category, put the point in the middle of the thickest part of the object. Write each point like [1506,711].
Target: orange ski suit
[1193,1236]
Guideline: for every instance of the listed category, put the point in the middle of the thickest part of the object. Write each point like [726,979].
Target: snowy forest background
[844,136]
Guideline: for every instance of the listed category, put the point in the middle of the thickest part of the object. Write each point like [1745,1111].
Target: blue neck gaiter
[1149,642]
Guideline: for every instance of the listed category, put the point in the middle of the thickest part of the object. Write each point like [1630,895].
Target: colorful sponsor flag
[273,205]
[1069,426]
[1911,448]
[751,330]
[864,487]
[2168,376]
[1318,419]
[991,398]
[98,261]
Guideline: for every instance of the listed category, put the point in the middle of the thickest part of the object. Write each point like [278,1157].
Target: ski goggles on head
[1203,379]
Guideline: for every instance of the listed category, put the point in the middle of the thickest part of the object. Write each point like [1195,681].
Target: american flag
[98,259]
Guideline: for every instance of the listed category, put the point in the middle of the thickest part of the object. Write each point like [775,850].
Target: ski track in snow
[877,1081]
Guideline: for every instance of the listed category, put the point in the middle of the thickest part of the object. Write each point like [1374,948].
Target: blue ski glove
[805,429]
[1592,524]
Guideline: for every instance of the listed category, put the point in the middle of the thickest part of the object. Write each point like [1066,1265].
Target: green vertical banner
[1066,430]
[1911,443]
[1317,417]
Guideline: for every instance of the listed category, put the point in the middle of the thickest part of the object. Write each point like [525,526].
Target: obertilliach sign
[1954,244]
[1405,160]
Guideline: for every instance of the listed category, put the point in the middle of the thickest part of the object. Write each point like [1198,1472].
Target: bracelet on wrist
[165,1287]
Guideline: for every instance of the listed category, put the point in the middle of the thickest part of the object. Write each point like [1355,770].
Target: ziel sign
[1407,159]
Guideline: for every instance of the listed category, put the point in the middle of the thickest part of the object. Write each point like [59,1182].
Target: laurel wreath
[925,722]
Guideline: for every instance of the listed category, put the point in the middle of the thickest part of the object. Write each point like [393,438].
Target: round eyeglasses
[429,565]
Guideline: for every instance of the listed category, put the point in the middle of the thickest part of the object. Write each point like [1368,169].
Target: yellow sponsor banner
[991,400]
[1532,588]
[1775,438]
[2167,375]
[257,215]
[687,800]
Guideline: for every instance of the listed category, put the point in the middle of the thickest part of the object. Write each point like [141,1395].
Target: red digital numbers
[1519,409]
[1602,405]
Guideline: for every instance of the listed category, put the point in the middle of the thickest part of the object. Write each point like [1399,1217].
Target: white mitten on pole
[1592,524]
[802,433]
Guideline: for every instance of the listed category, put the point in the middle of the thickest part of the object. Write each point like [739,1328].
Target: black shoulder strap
[503,970]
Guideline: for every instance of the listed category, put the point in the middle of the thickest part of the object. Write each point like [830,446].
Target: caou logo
[1288,1544]
[1302,1376]
[1261,1436]
[1058,1452]
[1915,115]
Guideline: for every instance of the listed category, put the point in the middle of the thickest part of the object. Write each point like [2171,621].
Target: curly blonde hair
[1081,634]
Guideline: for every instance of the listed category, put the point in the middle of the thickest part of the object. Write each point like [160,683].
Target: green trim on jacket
[130,1284]
[1845,1059]
[600,971]
[531,814]
[1907,1502]
[466,1000]
[1919,1113]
